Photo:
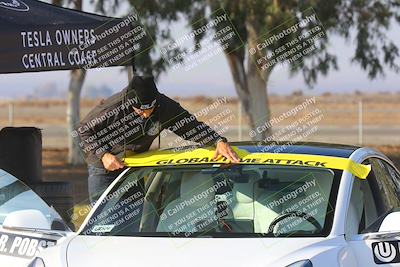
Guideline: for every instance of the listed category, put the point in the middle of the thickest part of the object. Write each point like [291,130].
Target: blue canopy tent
[36,36]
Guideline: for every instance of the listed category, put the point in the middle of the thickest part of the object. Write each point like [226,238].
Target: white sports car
[307,205]
[27,224]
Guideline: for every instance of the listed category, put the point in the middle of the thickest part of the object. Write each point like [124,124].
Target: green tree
[367,21]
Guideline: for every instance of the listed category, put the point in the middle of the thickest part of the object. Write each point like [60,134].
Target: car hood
[157,251]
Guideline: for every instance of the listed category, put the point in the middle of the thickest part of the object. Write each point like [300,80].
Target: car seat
[242,201]
[195,208]
[278,183]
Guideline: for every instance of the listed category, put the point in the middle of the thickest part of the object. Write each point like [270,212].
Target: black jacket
[113,127]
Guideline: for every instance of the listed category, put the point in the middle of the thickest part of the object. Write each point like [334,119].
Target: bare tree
[73,102]
[73,114]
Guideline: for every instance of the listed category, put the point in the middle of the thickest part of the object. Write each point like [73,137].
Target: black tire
[25,142]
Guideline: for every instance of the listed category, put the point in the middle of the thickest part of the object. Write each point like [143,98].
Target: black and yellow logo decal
[248,160]
[205,156]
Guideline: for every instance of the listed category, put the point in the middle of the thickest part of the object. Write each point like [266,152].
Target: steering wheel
[298,214]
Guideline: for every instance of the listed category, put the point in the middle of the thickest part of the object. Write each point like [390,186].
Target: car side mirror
[26,219]
[391,223]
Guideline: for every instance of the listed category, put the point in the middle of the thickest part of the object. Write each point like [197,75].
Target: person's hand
[225,150]
[111,162]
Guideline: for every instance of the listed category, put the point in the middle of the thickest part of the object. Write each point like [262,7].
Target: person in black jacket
[131,120]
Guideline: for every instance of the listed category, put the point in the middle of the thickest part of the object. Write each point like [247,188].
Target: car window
[243,200]
[15,196]
[373,198]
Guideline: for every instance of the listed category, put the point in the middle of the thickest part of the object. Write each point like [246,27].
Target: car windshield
[219,201]
[16,196]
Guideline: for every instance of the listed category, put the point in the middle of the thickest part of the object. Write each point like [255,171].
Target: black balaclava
[144,90]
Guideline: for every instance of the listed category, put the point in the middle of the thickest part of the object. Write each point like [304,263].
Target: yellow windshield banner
[205,156]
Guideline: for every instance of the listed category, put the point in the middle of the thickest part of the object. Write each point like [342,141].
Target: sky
[213,78]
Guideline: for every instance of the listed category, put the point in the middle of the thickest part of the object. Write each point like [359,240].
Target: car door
[371,201]
[27,224]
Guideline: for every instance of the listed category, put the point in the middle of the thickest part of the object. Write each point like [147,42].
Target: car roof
[307,148]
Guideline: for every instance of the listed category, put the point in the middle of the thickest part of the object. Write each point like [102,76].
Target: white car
[27,224]
[307,205]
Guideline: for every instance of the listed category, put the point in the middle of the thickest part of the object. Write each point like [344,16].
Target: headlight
[37,262]
[303,263]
